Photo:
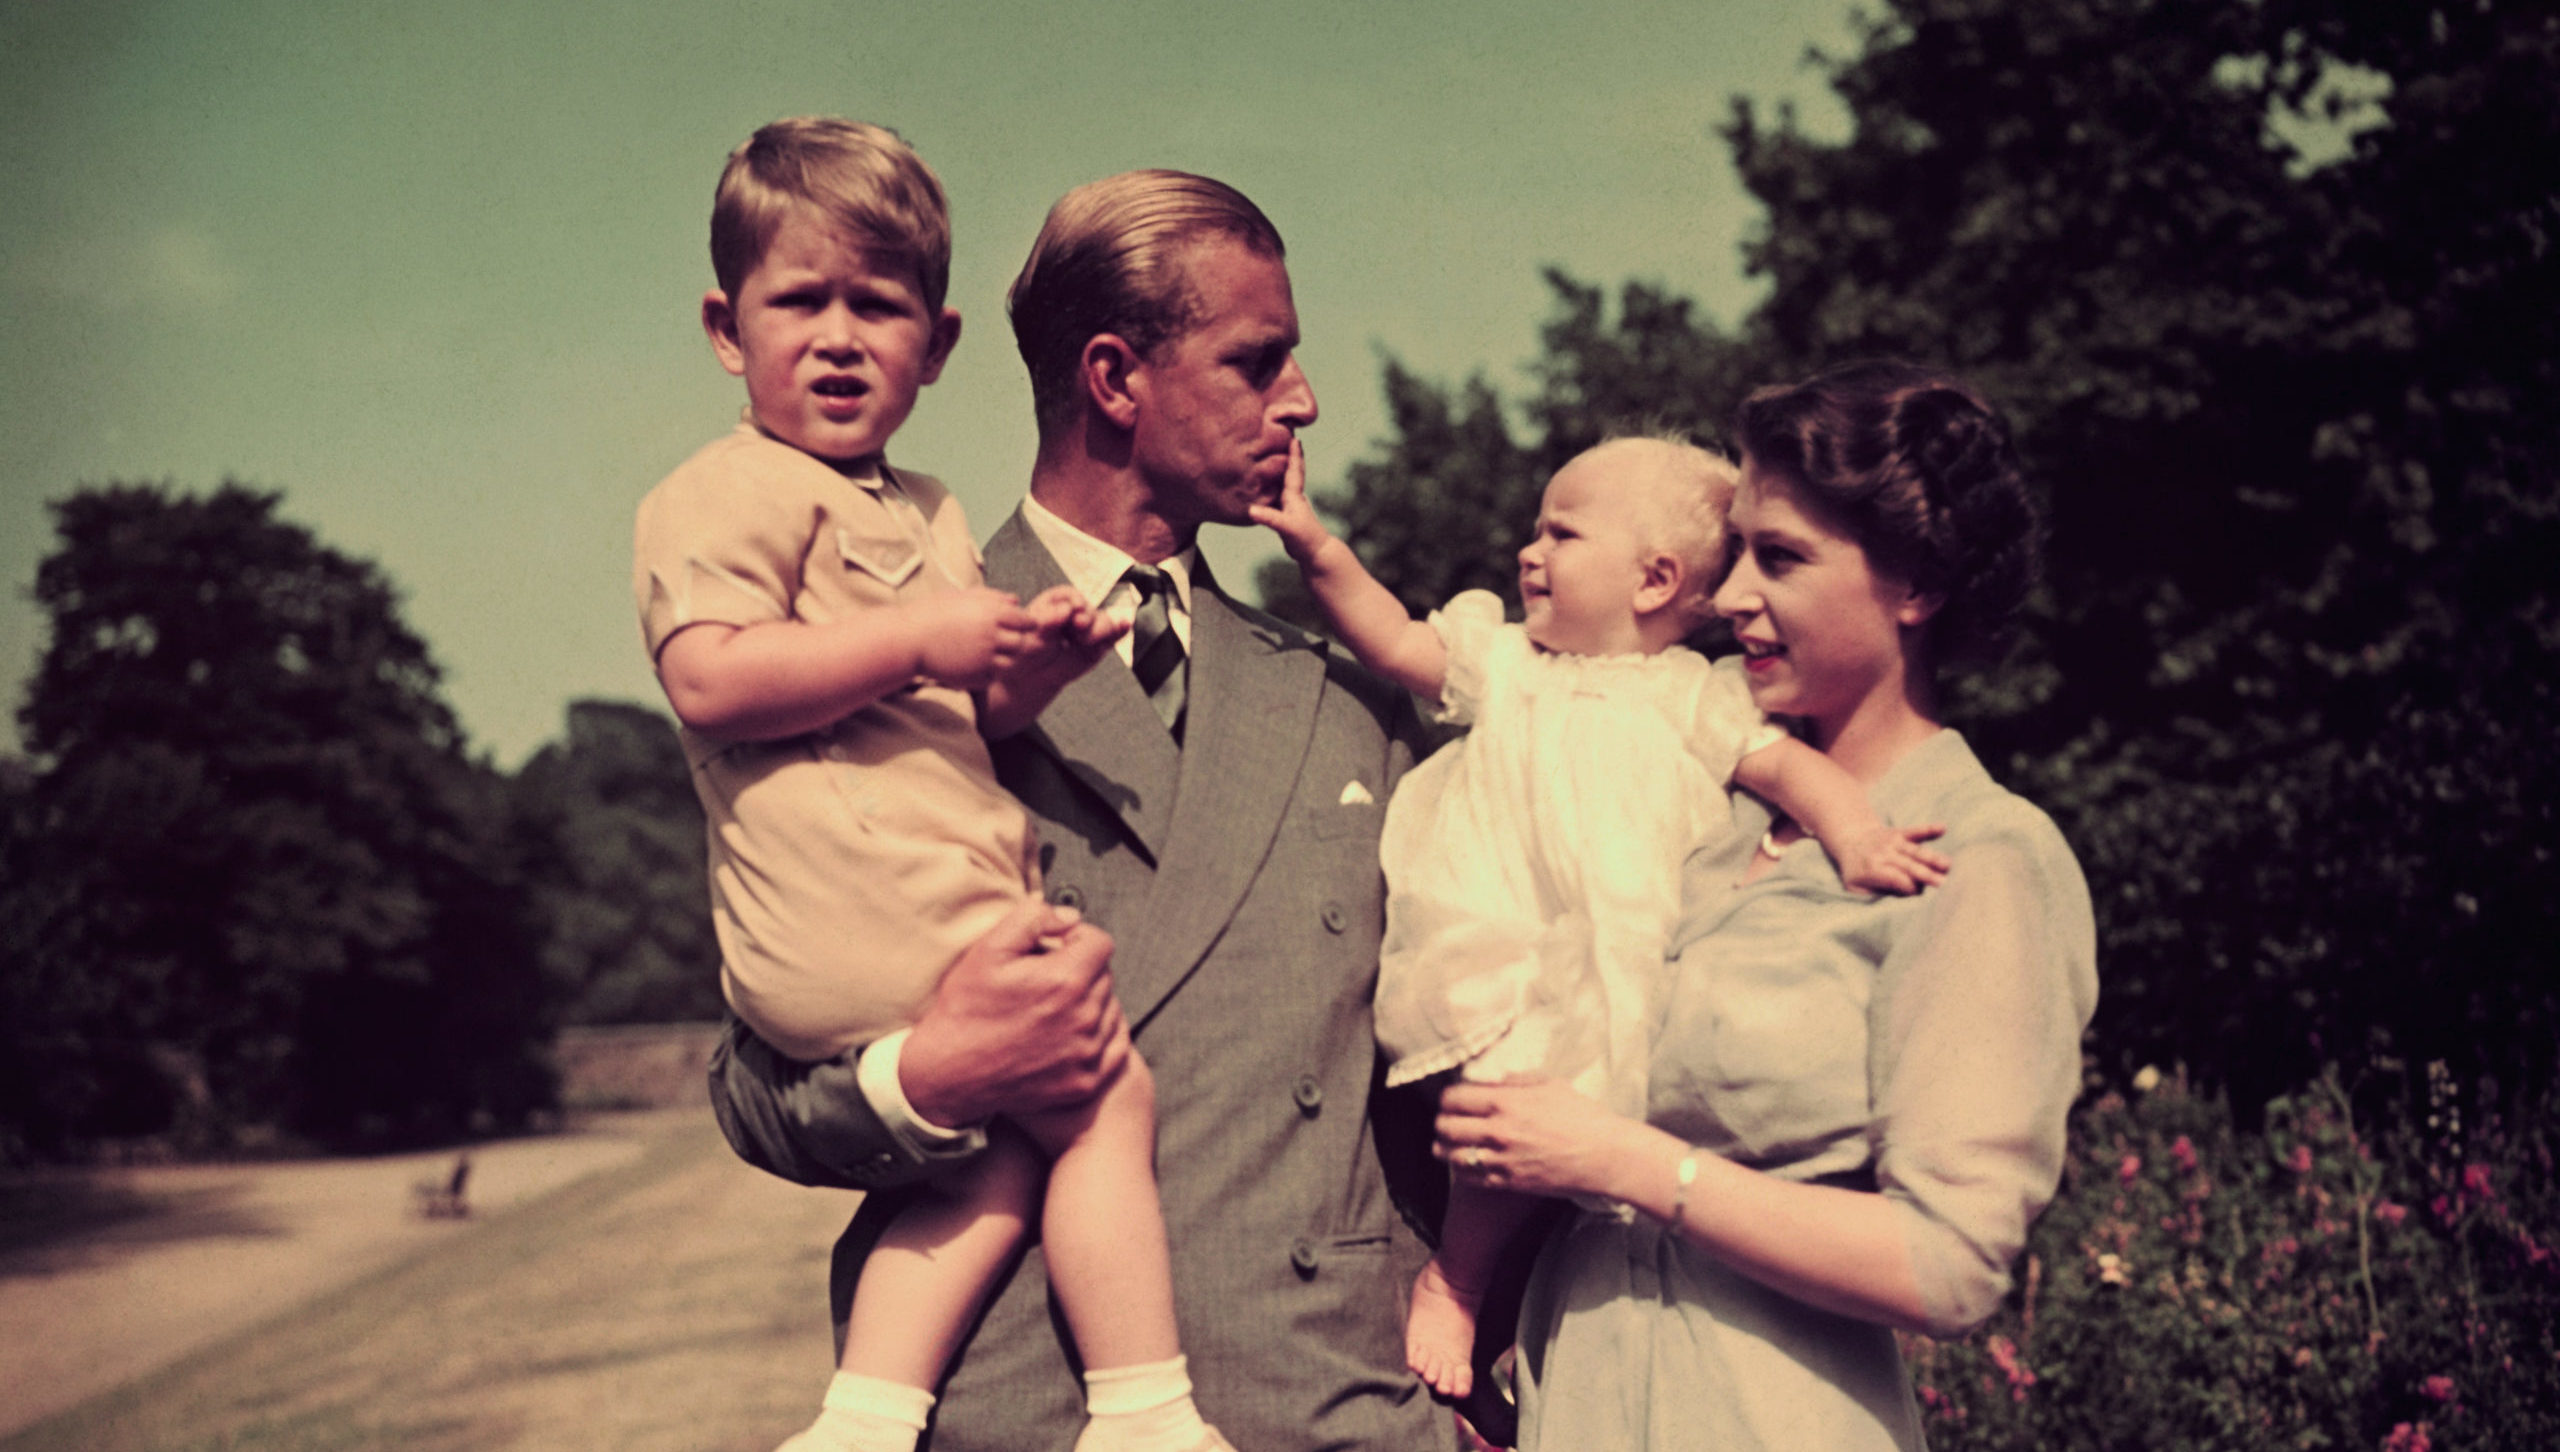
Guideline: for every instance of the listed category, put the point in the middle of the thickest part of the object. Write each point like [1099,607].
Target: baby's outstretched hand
[1891,859]
[1294,518]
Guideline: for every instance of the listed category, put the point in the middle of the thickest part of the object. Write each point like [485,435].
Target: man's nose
[1295,405]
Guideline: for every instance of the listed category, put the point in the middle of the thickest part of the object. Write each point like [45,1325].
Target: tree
[2270,292]
[617,860]
[254,881]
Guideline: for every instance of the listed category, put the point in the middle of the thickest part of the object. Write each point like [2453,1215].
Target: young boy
[818,622]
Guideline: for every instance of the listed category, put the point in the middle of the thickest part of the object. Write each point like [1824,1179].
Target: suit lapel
[1101,727]
[1254,694]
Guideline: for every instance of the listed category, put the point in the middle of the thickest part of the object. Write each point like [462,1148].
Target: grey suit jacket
[1245,897]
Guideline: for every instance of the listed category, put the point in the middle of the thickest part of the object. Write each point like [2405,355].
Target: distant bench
[445,1199]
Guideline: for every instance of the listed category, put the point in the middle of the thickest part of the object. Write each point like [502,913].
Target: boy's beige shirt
[851,865]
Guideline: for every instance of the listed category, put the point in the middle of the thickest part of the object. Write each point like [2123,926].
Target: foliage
[615,855]
[253,883]
[2271,294]
[2318,1283]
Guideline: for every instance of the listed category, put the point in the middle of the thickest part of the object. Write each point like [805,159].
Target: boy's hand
[1891,859]
[973,636]
[1294,519]
[1068,637]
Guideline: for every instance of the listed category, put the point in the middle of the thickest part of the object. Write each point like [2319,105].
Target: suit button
[1309,1094]
[1069,896]
[1302,1254]
[1335,919]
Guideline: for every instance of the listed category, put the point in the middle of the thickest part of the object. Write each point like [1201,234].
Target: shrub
[2315,1283]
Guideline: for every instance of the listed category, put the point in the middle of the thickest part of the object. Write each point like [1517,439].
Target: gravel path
[574,1242]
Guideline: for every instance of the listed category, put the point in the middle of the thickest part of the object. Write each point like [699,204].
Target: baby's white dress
[1533,866]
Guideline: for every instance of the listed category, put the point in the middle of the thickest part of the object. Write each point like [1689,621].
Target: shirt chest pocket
[888,557]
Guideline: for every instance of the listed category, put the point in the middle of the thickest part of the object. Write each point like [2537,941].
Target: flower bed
[2317,1282]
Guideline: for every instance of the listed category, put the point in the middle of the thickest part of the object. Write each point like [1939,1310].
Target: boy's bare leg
[923,1283]
[1102,1234]
[1102,1225]
[921,1287]
[1440,1326]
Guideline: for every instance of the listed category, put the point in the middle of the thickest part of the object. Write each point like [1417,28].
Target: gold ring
[1472,1158]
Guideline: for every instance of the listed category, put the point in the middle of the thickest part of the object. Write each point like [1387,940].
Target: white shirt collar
[1095,566]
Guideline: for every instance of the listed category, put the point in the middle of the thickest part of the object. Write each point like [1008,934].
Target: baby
[1533,867]
[820,626]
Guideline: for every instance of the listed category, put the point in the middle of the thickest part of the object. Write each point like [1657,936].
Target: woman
[1857,1104]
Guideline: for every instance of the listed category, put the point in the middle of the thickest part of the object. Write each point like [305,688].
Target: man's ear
[946,336]
[720,324]
[1108,368]
[1663,579]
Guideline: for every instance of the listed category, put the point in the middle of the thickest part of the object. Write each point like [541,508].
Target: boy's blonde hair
[865,178]
[1109,260]
[1682,494]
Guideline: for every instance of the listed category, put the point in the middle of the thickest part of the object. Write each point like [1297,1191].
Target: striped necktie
[1155,652]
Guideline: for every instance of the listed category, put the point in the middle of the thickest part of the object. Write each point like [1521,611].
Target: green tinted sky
[432,269]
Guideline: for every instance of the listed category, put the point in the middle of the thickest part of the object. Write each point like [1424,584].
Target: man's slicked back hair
[1109,260]
[863,178]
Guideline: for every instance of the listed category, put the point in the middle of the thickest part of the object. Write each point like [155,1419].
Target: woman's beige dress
[1927,1048]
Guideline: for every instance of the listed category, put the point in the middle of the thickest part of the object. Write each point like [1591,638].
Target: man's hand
[1891,859]
[1294,519]
[1026,1020]
[970,637]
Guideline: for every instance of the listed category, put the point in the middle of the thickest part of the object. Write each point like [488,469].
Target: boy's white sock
[865,1414]
[1143,1408]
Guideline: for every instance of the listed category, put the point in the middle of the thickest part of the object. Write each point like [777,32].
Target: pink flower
[2388,1213]
[2183,1154]
[2406,1438]
[2300,1160]
[2004,1354]
[2437,1388]
[2475,1179]
[2131,1167]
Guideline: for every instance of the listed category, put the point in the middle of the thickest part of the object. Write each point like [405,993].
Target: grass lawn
[677,1302]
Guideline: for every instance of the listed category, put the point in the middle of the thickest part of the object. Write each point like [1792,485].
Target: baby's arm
[778,678]
[1820,793]
[1070,637]
[1369,619]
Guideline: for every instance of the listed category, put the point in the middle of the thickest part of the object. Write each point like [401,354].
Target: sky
[434,271]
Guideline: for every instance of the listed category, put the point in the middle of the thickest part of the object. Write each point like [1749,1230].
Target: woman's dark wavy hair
[1919,470]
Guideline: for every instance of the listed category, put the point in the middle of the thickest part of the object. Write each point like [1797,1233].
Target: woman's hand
[1542,1137]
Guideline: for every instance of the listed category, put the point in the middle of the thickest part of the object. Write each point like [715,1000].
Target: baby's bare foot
[1440,1333]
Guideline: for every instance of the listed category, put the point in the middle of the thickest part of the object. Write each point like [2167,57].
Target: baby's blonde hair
[1682,493]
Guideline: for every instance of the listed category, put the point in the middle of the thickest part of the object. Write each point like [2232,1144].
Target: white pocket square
[1356,795]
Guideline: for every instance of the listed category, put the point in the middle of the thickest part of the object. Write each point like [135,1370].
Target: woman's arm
[1977,1014]
[1841,1250]
[1370,619]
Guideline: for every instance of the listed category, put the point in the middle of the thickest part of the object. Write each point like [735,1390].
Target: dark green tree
[2272,294]
[254,883]
[616,858]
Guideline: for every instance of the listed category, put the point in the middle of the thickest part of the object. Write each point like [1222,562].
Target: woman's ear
[1108,369]
[1918,607]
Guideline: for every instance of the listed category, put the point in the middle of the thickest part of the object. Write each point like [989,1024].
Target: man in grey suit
[1213,799]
